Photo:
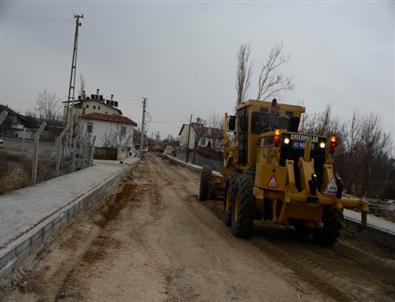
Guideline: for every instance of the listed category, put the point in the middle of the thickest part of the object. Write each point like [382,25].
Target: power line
[163,122]
[38,19]
[101,50]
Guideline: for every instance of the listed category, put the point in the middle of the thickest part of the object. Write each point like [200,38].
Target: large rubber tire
[230,192]
[332,220]
[243,208]
[204,189]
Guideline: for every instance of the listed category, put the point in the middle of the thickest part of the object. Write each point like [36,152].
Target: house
[199,136]
[209,137]
[24,126]
[15,124]
[111,131]
[93,104]
[184,133]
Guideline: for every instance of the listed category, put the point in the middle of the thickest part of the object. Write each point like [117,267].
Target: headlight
[322,145]
[286,140]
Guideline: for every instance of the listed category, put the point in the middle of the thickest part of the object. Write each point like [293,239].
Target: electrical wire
[166,123]
[37,19]
[102,51]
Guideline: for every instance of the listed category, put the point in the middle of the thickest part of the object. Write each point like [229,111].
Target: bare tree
[47,106]
[321,123]
[363,157]
[271,82]
[215,120]
[243,73]
[118,136]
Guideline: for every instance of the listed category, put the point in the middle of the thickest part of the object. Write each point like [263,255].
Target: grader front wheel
[204,190]
[332,220]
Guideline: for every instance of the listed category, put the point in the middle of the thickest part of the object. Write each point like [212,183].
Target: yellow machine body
[286,189]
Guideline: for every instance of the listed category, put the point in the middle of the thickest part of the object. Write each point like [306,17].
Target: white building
[111,131]
[184,136]
[205,137]
[93,104]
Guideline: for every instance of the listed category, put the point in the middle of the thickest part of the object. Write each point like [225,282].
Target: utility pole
[71,95]
[142,128]
[189,135]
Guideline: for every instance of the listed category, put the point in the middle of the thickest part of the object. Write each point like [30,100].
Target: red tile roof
[109,118]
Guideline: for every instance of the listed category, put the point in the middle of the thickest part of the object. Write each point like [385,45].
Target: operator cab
[272,125]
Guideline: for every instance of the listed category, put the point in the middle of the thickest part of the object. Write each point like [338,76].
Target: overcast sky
[182,56]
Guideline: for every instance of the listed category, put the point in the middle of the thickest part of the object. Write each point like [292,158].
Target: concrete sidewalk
[23,210]
[373,221]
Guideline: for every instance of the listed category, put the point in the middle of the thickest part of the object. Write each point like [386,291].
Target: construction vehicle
[273,172]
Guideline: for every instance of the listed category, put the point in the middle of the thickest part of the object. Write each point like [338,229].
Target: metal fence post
[119,153]
[23,140]
[58,156]
[35,151]
[59,152]
[74,151]
[92,151]
[83,145]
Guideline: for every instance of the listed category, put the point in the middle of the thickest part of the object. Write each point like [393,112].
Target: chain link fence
[25,161]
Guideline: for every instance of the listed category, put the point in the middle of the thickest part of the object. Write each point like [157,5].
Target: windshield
[261,122]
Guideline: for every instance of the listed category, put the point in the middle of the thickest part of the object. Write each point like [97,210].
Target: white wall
[214,143]
[87,107]
[184,137]
[98,107]
[102,129]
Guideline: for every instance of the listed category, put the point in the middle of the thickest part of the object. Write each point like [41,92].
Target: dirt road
[154,241]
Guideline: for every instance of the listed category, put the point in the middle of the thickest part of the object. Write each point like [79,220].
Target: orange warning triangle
[331,188]
[272,182]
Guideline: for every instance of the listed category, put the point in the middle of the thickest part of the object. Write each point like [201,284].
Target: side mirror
[232,123]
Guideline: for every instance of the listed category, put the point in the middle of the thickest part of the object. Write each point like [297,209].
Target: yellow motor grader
[273,172]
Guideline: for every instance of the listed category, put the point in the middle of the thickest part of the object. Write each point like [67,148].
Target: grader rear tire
[204,190]
[332,220]
[243,208]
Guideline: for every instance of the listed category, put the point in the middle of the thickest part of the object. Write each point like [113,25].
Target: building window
[94,107]
[123,131]
[90,127]
[106,112]
[87,106]
[98,107]
[203,141]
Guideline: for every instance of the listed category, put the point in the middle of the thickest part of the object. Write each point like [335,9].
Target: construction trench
[150,239]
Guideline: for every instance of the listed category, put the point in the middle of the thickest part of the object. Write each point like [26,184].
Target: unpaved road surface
[154,241]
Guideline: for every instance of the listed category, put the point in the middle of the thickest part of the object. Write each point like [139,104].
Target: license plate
[300,145]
